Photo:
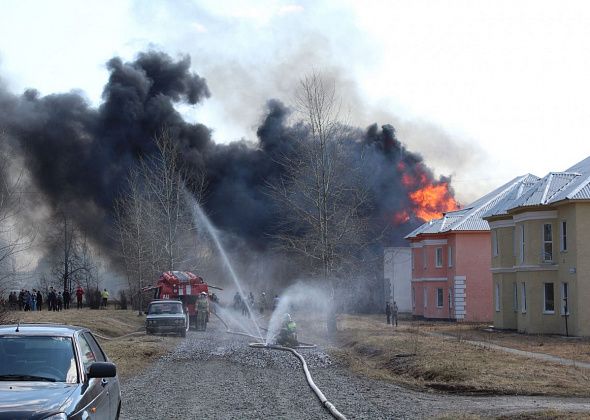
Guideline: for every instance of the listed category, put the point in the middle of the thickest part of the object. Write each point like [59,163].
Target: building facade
[451,261]
[540,256]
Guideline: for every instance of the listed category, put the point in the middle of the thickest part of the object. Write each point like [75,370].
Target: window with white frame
[425,297]
[563,235]
[523,298]
[438,257]
[565,305]
[549,298]
[497,297]
[494,243]
[515,296]
[439,298]
[547,242]
[450,256]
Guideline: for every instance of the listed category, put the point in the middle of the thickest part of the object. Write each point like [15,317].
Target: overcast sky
[485,90]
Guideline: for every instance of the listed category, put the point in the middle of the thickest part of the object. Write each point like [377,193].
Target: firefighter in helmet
[288,335]
[202,311]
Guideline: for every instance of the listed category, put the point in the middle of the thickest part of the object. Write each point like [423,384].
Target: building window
[450,256]
[523,298]
[565,305]
[549,306]
[425,297]
[439,298]
[547,242]
[495,243]
[514,245]
[564,235]
[438,257]
[515,296]
[521,244]
[497,297]
[413,297]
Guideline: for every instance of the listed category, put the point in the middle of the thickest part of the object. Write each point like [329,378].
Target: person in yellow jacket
[202,311]
[105,297]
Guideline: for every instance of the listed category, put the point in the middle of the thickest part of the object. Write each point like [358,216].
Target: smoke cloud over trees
[78,157]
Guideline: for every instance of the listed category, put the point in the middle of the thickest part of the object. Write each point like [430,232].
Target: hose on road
[329,406]
[121,336]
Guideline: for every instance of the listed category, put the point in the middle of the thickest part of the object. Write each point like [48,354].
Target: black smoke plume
[79,156]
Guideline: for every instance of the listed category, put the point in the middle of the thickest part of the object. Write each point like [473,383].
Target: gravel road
[214,375]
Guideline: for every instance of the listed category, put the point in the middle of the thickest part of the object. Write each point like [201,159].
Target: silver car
[55,372]
[166,316]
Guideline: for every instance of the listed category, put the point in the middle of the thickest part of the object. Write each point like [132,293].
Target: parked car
[55,372]
[166,316]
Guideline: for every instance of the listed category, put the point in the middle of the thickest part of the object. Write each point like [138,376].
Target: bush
[93,299]
[122,299]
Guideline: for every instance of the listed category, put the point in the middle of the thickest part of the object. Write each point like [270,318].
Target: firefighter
[202,311]
[288,335]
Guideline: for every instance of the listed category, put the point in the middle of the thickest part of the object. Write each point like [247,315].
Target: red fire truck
[184,286]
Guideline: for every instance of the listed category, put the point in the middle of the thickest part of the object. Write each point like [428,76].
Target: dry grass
[408,356]
[575,348]
[131,354]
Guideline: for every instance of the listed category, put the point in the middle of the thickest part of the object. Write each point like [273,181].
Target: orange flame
[432,201]
[401,217]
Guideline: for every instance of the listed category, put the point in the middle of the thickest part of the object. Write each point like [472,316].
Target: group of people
[32,300]
[260,304]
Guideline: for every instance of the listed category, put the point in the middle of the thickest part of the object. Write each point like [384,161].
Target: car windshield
[37,358]
[165,308]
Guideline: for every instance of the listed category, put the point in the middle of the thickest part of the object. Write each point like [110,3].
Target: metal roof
[470,218]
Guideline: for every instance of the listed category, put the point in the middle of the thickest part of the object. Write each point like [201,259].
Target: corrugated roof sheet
[470,217]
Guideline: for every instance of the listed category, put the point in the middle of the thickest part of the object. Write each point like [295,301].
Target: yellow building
[540,255]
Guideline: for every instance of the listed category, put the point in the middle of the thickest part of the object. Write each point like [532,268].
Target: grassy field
[131,354]
[574,348]
[408,355]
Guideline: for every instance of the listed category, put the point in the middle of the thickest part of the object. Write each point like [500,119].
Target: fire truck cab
[181,285]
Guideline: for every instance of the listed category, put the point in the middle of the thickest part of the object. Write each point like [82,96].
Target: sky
[484,90]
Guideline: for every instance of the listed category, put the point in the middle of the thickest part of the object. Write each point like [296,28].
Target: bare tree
[153,219]
[14,238]
[72,257]
[321,197]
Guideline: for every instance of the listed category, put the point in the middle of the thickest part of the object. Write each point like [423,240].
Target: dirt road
[215,375]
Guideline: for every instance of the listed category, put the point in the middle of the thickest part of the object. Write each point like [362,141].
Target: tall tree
[321,196]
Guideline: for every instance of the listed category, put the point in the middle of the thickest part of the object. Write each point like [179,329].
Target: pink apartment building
[451,261]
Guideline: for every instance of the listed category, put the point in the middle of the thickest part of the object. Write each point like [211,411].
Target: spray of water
[302,297]
[202,220]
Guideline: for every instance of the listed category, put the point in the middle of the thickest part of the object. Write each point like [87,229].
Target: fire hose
[327,404]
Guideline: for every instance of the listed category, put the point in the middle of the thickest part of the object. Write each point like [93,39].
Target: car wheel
[183,333]
[149,332]
[118,411]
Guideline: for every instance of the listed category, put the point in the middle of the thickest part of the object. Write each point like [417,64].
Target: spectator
[60,301]
[21,300]
[34,300]
[52,300]
[66,297]
[39,300]
[105,297]
[79,294]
